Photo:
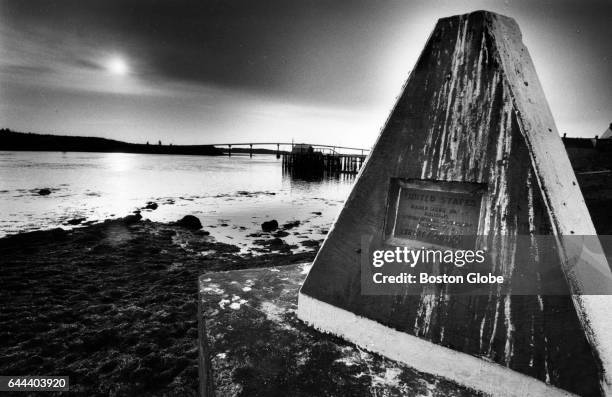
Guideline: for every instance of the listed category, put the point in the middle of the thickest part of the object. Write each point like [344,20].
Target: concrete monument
[473,133]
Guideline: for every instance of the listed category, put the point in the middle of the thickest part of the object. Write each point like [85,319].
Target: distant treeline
[10,140]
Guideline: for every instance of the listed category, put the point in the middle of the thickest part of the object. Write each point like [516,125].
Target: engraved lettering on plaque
[444,214]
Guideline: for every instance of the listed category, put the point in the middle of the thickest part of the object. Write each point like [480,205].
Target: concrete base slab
[252,344]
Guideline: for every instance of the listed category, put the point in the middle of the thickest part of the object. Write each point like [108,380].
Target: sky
[325,72]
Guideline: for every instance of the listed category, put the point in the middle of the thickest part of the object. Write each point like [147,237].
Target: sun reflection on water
[120,162]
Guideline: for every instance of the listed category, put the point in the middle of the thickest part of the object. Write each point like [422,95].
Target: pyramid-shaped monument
[473,130]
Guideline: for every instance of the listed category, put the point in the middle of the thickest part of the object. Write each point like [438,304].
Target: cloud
[310,50]
[233,63]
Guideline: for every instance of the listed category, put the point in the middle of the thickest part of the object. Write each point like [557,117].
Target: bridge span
[310,158]
[328,149]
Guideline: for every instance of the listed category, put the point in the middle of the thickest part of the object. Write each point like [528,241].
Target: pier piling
[318,162]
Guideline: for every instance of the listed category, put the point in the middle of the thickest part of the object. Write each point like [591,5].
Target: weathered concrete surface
[473,111]
[252,344]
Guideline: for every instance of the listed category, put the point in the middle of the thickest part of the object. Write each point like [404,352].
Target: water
[231,196]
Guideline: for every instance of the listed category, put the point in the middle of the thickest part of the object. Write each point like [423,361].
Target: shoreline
[22,141]
[113,305]
[234,218]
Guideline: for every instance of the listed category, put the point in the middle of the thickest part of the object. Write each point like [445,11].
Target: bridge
[329,149]
[311,158]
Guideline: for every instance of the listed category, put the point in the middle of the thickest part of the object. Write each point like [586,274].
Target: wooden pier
[308,159]
[318,162]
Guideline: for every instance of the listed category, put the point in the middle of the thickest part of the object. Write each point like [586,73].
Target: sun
[117,66]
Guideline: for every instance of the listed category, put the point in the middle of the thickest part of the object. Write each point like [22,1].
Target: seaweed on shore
[112,305]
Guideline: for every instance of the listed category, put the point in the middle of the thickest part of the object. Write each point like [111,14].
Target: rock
[317,213]
[75,221]
[44,192]
[276,243]
[269,226]
[150,206]
[310,243]
[281,233]
[291,225]
[130,219]
[190,222]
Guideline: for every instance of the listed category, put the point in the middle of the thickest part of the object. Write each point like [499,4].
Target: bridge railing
[289,146]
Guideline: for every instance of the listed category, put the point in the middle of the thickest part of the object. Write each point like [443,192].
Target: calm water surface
[231,196]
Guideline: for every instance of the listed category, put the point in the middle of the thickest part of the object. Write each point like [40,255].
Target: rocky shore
[113,305]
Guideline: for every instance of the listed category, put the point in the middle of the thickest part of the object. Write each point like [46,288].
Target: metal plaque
[436,213]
